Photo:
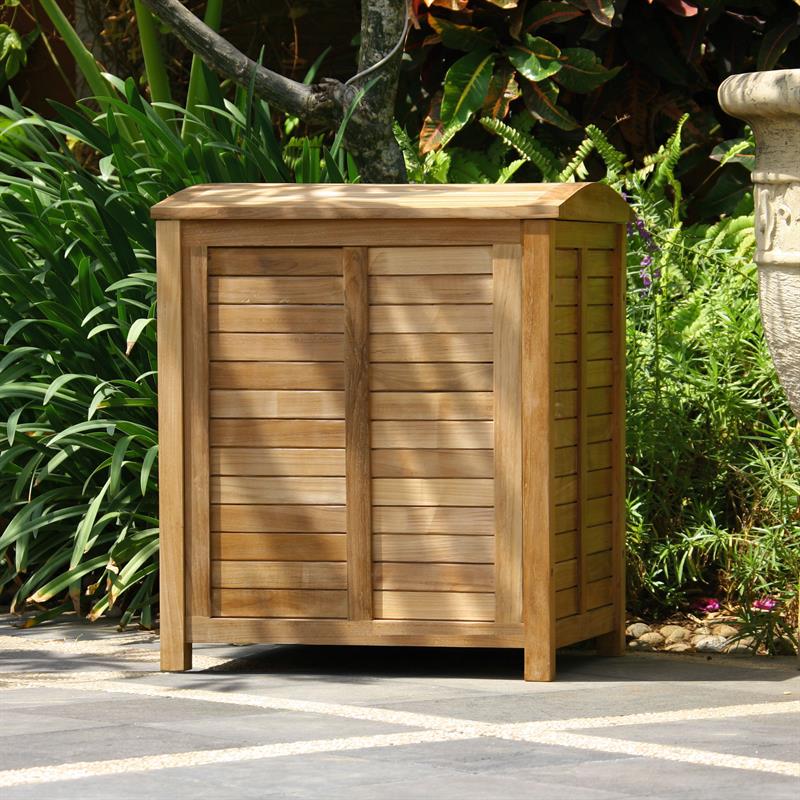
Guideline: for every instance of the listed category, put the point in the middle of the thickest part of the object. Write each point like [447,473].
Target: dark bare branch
[319,104]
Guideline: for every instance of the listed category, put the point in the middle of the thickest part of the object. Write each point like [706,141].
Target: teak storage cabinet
[392,415]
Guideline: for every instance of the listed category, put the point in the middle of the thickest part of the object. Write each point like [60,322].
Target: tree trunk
[369,135]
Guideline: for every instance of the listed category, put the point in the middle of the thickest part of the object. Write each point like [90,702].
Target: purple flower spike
[706,604]
[647,261]
[765,604]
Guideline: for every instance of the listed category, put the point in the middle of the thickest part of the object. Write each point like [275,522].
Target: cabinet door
[276,432]
[444,413]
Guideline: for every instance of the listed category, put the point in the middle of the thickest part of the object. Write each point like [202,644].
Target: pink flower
[706,604]
[765,604]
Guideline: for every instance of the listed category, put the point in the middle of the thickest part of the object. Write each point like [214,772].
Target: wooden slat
[598,429]
[434,577]
[599,483]
[565,263]
[434,605]
[265,375]
[422,347]
[431,319]
[598,593]
[601,291]
[566,574]
[598,319]
[293,461]
[599,565]
[432,463]
[419,633]
[578,628]
[279,575]
[430,289]
[596,401]
[599,373]
[278,546]
[597,346]
[239,403]
[566,461]
[507,345]
[279,519]
[582,413]
[276,346]
[275,319]
[308,603]
[175,652]
[432,492]
[277,433]
[432,405]
[348,232]
[312,289]
[600,262]
[196,444]
[565,546]
[598,456]
[597,539]
[596,235]
[433,520]
[250,489]
[537,449]
[566,602]
[429,261]
[434,548]
[426,434]
[275,261]
[566,291]
[359,523]
[431,377]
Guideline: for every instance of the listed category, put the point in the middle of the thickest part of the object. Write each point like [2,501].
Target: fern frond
[531,150]
[612,158]
[506,173]
[585,148]
[410,154]
[665,171]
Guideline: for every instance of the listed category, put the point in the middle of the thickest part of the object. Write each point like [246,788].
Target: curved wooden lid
[592,202]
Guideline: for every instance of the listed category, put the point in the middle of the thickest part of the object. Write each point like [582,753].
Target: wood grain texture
[305,603]
[276,346]
[175,650]
[432,491]
[429,289]
[431,377]
[275,290]
[495,202]
[277,433]
[274,261]
[432,463]
[433,520]
[294,461]
[425,434]
[429,261]
[261,404]
[507,348]
[578,628]
[431,405]
[585,234]
[359,521]
[434,577]
[473,318]
[433,548]
[252,489]
[434,605]
[196,444]
[261,318]
[538,284]
[278,518]
[598,373]
[279,546]
[428,347]
[317,376]
[279,575]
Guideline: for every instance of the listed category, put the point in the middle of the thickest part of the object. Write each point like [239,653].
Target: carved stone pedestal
[770,103]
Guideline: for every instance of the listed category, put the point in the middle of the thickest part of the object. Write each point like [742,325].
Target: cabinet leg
[540,663]
[611,644]
[176,656]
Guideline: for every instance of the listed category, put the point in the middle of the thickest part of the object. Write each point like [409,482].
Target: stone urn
[770,103]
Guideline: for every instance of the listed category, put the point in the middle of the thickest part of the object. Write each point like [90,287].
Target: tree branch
[319,104]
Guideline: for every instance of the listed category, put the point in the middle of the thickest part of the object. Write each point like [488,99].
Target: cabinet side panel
[175,653]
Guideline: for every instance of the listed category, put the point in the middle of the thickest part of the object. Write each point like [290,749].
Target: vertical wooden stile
[538,242]
[175,651]
[357,458]
[613,643]
[195,383]
[507,311]
[583,428]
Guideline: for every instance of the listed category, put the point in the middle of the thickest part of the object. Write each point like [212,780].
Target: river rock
[653,638]
[638,644]
[679,647]
[724,630]
[709,644]
[637,629]
[741,647]
[675,633]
